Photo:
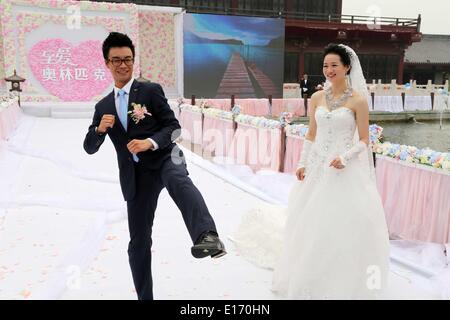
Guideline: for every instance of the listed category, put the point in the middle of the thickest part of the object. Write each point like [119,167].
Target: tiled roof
[431,49]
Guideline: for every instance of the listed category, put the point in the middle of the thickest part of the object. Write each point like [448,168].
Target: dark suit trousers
[141,211]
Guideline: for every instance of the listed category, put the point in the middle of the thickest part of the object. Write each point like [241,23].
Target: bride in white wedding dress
[332,241]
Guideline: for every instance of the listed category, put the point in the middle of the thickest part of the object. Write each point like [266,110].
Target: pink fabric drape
[258,148]
[260,107]
[176,112]
[294,148]
[309,103]
[223,104]
[269,142]
[254,107]
[416,201]
[9,119]
[217,135]
[191,125]
[295,106]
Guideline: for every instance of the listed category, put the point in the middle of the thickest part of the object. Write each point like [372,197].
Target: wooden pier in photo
[236,80]
[266,84]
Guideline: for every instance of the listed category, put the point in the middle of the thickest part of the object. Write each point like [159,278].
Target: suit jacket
[306,84]
[161,126]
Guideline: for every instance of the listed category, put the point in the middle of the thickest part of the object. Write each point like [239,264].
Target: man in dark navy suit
[149,161]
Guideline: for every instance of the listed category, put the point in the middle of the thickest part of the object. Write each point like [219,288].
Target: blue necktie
[123,114]
[123,109]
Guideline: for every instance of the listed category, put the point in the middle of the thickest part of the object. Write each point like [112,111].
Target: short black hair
[116,40]
[334,48]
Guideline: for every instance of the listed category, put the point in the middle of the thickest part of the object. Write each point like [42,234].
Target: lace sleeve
[305,153]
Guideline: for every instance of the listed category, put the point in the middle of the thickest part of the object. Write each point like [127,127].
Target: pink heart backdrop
[70,72]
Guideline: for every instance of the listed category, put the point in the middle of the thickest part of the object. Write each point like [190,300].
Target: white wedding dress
[332,240]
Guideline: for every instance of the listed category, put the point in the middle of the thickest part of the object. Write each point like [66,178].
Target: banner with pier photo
[232,55]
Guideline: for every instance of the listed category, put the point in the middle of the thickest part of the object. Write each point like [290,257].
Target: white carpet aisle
[64,233]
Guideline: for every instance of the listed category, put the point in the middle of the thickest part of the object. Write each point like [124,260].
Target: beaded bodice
[334,135]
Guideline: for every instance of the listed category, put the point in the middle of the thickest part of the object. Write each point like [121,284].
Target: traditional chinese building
[312,24]
[380,43]
[429,60]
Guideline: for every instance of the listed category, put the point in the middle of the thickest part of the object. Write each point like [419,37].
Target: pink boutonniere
[138,112]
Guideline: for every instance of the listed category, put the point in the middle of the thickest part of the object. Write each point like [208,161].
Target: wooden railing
[355,19]
[277,10]
[394,88]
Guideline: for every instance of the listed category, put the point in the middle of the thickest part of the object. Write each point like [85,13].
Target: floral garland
[236,110]
[188,107]
[300,130]
[8,100]
[27,22]
[93,68]
[218,113]
[2,53]
[409,154]
[39,98]
[286,118]
[259,122]
[375,135]
[39,19]
[155,24]
[157,32]
[297,130]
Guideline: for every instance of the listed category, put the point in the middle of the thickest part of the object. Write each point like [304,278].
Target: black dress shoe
[208,244]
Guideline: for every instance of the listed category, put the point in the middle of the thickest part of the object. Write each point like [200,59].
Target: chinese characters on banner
[70,72]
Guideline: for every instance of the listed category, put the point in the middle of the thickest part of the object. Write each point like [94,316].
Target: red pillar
[339,6]
[288,6]
[234,5]
[401,67]
[282,149]
[301,63]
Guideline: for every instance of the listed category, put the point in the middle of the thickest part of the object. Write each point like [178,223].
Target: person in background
[306,86]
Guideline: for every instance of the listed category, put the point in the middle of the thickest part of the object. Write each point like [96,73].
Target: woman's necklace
[335,104]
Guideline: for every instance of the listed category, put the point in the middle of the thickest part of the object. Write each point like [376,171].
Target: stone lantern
[15,83]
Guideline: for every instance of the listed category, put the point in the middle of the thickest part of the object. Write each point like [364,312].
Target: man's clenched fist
[106,122]
[135,146]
